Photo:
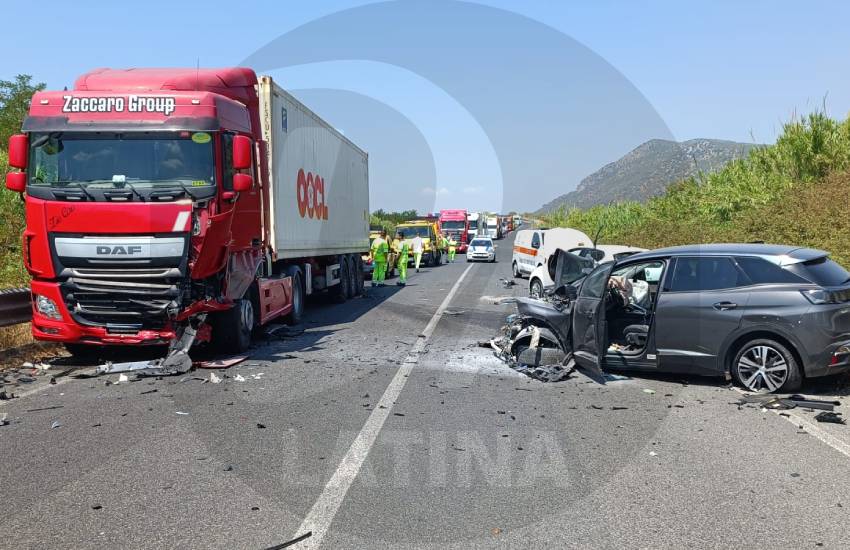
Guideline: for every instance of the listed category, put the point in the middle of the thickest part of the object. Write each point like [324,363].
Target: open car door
[589,330]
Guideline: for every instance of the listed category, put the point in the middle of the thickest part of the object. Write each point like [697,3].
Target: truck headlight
[47,307]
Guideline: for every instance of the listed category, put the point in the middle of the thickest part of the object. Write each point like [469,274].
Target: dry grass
[15,336]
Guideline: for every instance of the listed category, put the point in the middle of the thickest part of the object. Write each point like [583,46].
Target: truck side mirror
[242,182]
[18,151]
[16,181]
[241,152]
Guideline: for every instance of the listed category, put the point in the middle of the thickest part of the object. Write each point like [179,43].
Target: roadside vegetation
[14,101]
[389,220]
[792,192]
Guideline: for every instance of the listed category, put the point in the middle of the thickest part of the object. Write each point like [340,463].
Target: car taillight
[822,296]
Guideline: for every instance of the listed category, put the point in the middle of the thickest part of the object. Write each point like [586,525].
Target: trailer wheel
[352,277]
[359,275]
[340,291]
[232,329]
[295,315]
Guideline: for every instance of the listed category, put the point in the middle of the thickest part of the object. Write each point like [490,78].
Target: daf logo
[118,250]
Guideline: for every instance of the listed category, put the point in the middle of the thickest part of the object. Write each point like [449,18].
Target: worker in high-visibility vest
[452,248]
[379,252]
[402,248]
[444,244]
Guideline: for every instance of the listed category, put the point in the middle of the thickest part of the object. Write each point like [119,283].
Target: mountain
[648,170]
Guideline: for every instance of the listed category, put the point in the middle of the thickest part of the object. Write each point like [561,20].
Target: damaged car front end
[536,339]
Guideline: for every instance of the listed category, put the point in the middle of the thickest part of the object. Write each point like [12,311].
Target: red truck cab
[145,204]
[454,224]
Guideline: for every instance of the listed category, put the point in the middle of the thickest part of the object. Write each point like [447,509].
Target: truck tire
[297,313]
[359,279]
[232,329]
[352,277]
[339,292]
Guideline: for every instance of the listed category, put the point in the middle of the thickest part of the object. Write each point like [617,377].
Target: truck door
[700,303]
[247,233]
[589,330]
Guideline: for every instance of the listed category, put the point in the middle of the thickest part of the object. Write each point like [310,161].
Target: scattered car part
[830,417]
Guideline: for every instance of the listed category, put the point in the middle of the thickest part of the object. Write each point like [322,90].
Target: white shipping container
[319,180]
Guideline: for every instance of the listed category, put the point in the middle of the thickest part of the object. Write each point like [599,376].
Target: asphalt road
[384,425]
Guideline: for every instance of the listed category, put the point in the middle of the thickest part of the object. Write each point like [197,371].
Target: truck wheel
[359,279]
[232,328]
[352,277]
[340,291]
[297,313]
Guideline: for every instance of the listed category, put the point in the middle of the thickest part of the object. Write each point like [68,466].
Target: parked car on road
[481,249]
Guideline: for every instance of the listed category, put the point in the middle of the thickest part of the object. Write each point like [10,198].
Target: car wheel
[539,357]
[516,271]
[766,366]
[535,289]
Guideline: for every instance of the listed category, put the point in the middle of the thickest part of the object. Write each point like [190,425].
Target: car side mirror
[241,152]
[242,182]
[568,292]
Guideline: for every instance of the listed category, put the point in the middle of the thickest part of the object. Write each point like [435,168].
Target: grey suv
[768,314]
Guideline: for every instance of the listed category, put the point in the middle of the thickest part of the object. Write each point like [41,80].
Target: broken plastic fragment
[123,378]
[649,391]
[239,378]
[182,413]
[215,379]
[56,424]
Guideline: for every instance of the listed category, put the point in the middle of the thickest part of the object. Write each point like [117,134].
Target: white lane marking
[322,513]
[180,222]
[821,434]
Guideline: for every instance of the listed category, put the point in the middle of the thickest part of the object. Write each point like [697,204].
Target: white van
[527,244]
[533,246]
[492,229]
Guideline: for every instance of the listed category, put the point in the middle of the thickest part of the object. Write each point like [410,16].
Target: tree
[15,96]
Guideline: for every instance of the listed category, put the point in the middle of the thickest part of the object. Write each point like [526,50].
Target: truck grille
[123,300]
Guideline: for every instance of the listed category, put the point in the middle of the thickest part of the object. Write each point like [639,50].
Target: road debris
[122,378]
[182,413]
[54,407]
[649,391]
[239,378]
[289,543]
[454,312]
[507,283]
[830,417]
[220,363]
[215,379]
[3,421]
[56,424]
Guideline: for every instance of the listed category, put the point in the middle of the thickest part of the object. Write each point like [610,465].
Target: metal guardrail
[15,306]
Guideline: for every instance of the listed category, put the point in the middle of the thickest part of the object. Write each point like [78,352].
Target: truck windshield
[473,224]
[412,231]
[107,160]
[451,224]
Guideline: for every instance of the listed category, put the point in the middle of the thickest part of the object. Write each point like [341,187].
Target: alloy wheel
[762,368]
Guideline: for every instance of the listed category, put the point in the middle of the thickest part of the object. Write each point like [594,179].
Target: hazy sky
[437,136]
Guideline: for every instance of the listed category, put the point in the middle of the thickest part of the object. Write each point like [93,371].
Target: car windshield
[413,230]
[481,242]
[821,271]
[107,160]
[451,224]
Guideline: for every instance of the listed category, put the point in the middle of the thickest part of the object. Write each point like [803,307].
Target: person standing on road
[403,249]
[452,248]
[379,252]
[417,246]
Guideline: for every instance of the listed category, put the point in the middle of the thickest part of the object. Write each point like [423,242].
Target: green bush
[12,273]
